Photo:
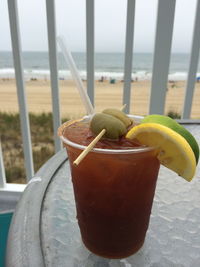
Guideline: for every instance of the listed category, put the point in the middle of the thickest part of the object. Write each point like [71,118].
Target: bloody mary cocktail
[114,189]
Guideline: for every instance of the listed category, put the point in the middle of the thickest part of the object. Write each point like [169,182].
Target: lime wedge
[173,151]
[172,124]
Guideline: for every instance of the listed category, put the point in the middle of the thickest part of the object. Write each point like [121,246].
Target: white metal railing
[51,25]
[194,59]
[90,48]
[2,170]
[21,92]
[162,53]
[163,40]
[128,54]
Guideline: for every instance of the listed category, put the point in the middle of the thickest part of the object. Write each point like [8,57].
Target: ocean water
[109,65]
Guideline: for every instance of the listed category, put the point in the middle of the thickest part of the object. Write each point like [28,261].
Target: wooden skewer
[92,144]
[89,147]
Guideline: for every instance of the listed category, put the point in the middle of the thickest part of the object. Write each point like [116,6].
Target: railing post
[128,54]
[51,26]
[2,170]
[193,65]
[90,48]
[19,75]
[162,50]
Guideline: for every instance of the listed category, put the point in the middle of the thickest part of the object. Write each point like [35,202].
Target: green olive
[119,115]
[113,126]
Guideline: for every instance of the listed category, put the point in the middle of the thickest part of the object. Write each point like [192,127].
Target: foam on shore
[44,74]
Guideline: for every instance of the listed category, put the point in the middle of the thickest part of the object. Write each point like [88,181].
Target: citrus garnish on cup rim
[174,125]
[173,151]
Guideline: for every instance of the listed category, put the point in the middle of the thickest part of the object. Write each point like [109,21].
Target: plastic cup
[114,191]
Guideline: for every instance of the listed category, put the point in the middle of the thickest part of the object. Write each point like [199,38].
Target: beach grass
[173,114]
[41,127]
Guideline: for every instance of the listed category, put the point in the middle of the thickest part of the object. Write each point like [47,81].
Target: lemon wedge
[172,124]
[173,151]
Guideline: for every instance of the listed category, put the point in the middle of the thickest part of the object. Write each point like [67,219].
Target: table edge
[24,241]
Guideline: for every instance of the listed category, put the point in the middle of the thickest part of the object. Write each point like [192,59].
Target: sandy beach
[106,95]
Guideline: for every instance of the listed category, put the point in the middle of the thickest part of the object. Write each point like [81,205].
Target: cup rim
[102,150]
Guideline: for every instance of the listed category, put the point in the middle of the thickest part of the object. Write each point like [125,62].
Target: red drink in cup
[114,189]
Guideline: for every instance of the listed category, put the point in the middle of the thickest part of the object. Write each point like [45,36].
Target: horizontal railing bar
[51,27]
[188,121]
[10,195]
[12,188]
[19,74]
[90,48]
[162,49]
[128,54]
[193,66]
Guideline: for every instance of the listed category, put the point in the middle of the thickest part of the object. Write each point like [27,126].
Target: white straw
[75,74]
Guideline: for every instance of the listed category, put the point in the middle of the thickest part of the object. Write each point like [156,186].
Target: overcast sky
[110,19]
